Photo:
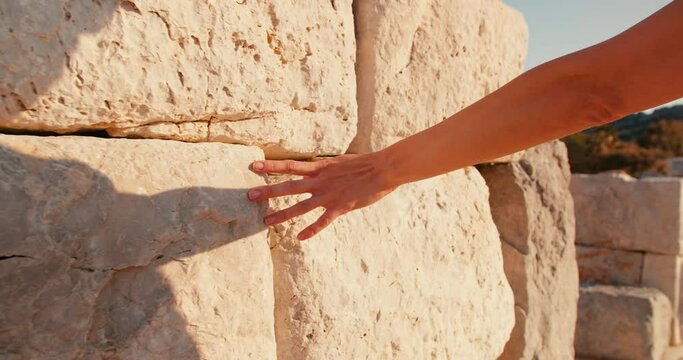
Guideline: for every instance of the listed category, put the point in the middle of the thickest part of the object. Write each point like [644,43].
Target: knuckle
[325,221]
[290,165]
[345,208]
[319,165]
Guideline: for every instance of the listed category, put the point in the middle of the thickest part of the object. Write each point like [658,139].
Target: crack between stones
[208,120]
[101,133]
[516,248]
[8,257]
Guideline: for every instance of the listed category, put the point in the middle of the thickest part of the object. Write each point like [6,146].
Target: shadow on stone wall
[36,38]
[80,262]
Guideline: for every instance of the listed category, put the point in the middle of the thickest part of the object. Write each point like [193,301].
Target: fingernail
[268,220]
[253,194]
[257,165]
[301,236]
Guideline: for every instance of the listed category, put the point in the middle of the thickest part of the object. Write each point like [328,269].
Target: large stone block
[533,210]
[417,275]
[274,74]
[420,61]
[622,323]
[616,211]
[608,266]
[115,248]
[663,272]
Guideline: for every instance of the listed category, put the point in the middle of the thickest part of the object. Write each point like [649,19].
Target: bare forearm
[628,73]
[536,107]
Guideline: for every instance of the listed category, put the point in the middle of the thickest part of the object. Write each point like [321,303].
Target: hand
[340,184]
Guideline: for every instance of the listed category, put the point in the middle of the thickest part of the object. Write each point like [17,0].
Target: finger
[292,211]
[290,187]
[292,167]
[323,221]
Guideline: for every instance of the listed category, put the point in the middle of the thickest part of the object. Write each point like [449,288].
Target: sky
[557,28]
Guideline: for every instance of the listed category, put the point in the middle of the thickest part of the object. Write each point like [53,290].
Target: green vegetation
[639,143]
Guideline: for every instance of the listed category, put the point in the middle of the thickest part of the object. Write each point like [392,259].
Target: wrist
[386,166]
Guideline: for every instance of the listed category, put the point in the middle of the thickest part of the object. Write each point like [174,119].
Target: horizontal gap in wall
[91,133]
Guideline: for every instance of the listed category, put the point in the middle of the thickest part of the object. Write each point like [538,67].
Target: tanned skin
[636,70]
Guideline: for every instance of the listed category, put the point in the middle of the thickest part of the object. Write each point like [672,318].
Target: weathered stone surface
[417,275]
[673,353]
[608,266]
[622,323]
[616,211]
[420,61]
[533,210]
[115,248]
[663,272]
[274,74]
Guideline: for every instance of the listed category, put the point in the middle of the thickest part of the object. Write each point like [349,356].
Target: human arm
[633,71]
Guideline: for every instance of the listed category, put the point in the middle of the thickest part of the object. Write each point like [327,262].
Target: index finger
[291,167]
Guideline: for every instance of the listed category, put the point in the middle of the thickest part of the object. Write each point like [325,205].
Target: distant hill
[638,144]
[634,126]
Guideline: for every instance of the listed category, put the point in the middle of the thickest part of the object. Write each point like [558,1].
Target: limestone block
[420,61]
[622,323]
[663,272]
[116,248]
[616,211]
[417,275]
[608,266]
[533,210]
[274,74]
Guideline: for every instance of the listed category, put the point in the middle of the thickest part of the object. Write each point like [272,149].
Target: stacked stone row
[629,250]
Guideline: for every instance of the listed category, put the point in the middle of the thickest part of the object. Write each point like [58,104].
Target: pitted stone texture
[609,266]
[274,74]
[420,61]
[533,210]
[622,323]
[616,211]
[115,248]
[417,275]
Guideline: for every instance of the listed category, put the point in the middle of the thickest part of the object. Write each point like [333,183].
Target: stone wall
[629,237]
[622,323]
[274,74]
[533,210]
[146,247]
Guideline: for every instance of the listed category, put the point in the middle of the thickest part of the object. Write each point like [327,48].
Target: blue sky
[557,28]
